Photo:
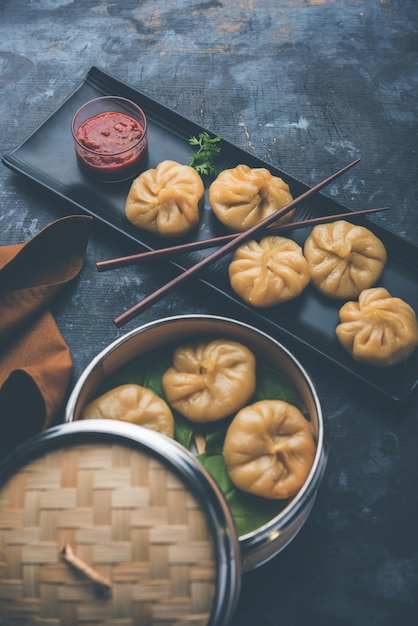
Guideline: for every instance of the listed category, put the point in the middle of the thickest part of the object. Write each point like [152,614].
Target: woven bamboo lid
[107,523]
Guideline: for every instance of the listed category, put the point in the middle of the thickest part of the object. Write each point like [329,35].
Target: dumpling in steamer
[135,404]
[344,258]
[269,449]
[242,197]
[379,329]
[210,380]
[268,272]
[166,200]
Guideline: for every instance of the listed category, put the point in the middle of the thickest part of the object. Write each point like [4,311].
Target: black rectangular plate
[47,157]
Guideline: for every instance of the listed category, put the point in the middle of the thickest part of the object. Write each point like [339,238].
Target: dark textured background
[307,85]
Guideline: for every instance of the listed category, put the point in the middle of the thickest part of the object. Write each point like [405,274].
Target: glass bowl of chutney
[110,138]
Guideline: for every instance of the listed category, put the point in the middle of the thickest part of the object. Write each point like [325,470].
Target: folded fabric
[35,361]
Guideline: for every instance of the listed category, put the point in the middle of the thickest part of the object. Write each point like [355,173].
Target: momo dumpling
[166,200]
[242,197]
[379,329]
[211,379]
[135,404]
[269,449]
[268,272]
[344,258]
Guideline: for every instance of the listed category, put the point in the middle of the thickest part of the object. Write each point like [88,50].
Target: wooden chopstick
[140,306]
[161,253]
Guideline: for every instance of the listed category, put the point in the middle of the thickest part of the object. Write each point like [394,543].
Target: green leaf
[215,439]
[275,385]
[183,430]
[203,159]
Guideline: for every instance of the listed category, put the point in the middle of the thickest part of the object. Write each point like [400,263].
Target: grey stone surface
[307,85]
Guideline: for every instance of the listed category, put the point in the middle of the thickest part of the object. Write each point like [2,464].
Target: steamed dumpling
[135,404]
[379,329]
[268,272]
[242,197]
[269,449]
[166,200]
[344,258]
[210,380]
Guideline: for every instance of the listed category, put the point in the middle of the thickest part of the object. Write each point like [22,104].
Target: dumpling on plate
[135,404]
[210,380]
[166,200]
[344,258]
[268,272]
[379,329]
[242,196]
[269,449]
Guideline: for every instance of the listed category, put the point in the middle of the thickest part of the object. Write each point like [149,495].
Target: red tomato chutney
[111,146]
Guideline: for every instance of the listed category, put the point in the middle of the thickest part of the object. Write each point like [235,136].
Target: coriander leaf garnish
[203,159]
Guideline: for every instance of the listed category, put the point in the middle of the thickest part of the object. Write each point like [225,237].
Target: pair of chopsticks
[230,242]
[161,253]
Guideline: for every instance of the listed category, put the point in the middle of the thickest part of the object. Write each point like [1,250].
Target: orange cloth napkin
[35,361]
